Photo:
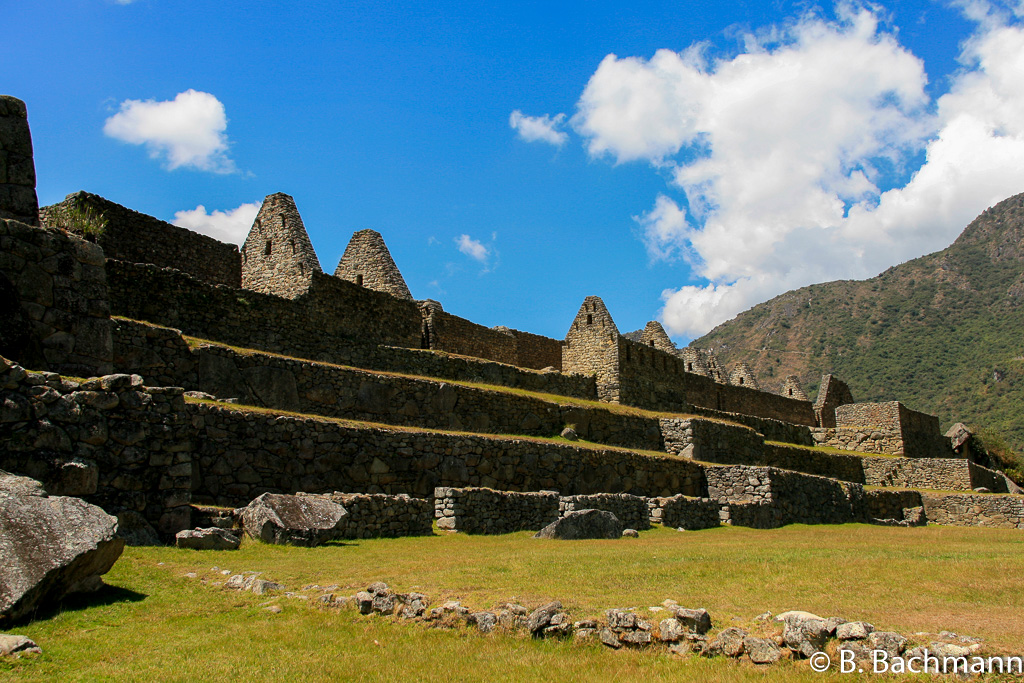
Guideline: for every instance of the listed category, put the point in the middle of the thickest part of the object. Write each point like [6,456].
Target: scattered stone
[804,635]
[670,631]
[630,533]
[51,547]
[485,621]
[892,643]
[854,630]
[833,623]
[17,646]
[693,620]
[729,642]
[541,617]
[570,434]
[583,524]
[274,609]
[610,638]
[364,601]
[293,520]
[206,539]
[761,650]
[262,587]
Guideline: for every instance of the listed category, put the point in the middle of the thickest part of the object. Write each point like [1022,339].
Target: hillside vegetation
[942,333]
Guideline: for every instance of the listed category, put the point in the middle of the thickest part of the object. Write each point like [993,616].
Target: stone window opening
[302,269]
[267,249]
[689,367]
[590,319]
[741,380]
[359,280]
[790,392]
[628,355]
[651,342]
[293,245]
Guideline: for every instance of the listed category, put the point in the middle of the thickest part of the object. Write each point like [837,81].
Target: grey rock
[635,638]
[541,617]
[378,588]
[20,486]
[384,603]
[364,601]
[610,638]
[17,645]
[893,643]
[206,539]
[730,642]
[262,587]
[485,621]
[693,620]
[630,533]
[854,630]
[293,520]
[570,434]
[51,547]
[135,530]
[805,636]
[832,623]
[761,650]
[670,630]
[583,524]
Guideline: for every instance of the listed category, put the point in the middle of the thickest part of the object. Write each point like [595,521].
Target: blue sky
[681,160]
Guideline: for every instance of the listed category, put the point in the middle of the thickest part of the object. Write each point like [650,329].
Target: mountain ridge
[941,332]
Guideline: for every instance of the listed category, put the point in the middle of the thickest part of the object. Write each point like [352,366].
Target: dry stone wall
[53,301]
[18,199]
[378,515]
[135,237]
[964,509]
[486,511]
[888,427]
[891,504]
[240,454]
[277,256]
[944,474]
[333,391]
[632,511]
[766,497]
[110,440]
[685,512]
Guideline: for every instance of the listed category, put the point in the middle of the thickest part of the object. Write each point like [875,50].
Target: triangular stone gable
[654,335]
[832,393]
[694,361]
[277,256]
[791,388]
[743,376]
[593,316]
[367,262]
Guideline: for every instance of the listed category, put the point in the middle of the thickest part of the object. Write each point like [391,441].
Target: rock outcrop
[50,546]
[293,520]
[582,524]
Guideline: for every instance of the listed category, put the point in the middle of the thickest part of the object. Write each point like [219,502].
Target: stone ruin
[373,393]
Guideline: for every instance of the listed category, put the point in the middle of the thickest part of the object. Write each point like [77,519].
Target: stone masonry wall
[632,511]
[380,516]
[893,426]
[453,334]
[17,169]
[658,380]
[859,439]
[110,440]
[333,315]
[486,511]
[965,509]
[157,351]
[54,312]
[891,504]
[944,474]
[138,238]
[536,351]
[684,512]
[766,497]
[591,348]
[240,454]
[334,391]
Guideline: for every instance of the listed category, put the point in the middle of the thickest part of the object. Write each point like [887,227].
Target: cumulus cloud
[539,128]
[472,248]
[799,158]
[187,132]
[227,226]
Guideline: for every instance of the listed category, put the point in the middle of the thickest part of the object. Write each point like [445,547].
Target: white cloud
[188,131]
[227,226]
[472,248]
[539,128]
[787,153]
[665,229]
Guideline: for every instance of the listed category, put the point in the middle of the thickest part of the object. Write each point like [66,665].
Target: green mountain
[943,333]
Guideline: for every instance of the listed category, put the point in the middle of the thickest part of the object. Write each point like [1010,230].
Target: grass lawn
[153,623]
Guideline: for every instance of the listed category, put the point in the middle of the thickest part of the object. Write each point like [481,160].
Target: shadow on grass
[107,595]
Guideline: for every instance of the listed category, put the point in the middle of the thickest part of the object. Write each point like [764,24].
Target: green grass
[155,624]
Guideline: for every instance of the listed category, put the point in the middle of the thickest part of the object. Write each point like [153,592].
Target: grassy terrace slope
[942,333]
[155,624]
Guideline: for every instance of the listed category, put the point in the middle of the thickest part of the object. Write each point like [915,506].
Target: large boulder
[293,520]
[50,546]
[581,524]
